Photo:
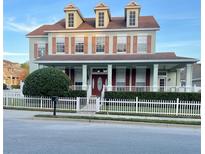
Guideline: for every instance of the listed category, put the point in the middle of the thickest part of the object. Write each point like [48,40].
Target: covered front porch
[134,72]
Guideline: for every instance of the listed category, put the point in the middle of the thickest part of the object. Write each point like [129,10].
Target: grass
[120,119]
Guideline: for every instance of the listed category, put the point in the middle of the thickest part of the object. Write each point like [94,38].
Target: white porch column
[188,77]
[109,78]
[155,77]
[84,77]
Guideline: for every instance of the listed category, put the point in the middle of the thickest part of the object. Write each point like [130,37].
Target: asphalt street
[25,135]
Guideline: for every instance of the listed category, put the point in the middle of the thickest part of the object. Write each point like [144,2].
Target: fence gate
[87,104]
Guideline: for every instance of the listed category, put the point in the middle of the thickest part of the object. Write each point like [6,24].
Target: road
[24,135]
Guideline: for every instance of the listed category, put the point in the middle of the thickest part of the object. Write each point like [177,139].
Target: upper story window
[101,19]
[41,49]
[100,44]
[141,77]
[60,44]
[121,43]
[132,17]
[70,19]
[142,44]
[79,44]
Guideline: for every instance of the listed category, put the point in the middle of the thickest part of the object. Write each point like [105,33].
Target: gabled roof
[89,24]
[71,7]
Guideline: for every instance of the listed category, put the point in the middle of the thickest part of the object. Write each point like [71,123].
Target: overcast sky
[179,22]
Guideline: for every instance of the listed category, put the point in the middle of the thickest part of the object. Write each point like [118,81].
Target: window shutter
[149,46]
[113,77]
[35,50]
[147,77]
[107,44]
[72,45]
[85,45]
[72,76]
[128,44]
[114,44]
[133,76]
[53,45]
[127,77]
[135,44]
[46,49]
[66,45]
[94,44]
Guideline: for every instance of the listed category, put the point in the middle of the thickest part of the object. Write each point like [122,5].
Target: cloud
[15,54]
[28,25]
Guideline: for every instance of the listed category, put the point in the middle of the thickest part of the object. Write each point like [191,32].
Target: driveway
[23,135]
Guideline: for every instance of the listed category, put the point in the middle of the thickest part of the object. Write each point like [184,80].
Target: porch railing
[152,88]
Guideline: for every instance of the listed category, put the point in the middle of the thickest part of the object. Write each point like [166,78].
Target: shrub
[15,86]
[76,93]
[46,82]
[4,86]
[154,95]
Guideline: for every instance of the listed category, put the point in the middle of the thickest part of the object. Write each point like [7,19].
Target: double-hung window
[132,17]
[41,49]
[100,44]
[70,19]
[78,79]
[142,44]
[101,19]
[79,44]
[60,44]
[140,79]
[121,43]
[120,79]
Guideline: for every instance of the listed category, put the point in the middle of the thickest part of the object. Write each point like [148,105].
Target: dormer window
[101,19]
[70,19]
[132,17]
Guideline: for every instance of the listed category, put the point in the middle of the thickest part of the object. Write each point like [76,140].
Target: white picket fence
[95,104]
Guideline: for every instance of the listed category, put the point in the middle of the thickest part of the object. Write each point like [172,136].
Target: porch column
[188,77]
[109,78]
[84,77]
[155,77]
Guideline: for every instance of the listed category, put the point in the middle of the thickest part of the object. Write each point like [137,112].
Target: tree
[46,82]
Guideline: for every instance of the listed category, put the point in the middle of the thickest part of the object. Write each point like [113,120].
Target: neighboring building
[12,73]
[118,52]
[196,76]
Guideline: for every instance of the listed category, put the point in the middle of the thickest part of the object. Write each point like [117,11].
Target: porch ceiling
[167,57]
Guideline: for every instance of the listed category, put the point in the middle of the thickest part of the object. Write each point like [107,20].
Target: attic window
[101,19]
[70,20]
[132,18]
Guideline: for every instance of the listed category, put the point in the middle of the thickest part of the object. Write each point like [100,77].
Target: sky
[179,20]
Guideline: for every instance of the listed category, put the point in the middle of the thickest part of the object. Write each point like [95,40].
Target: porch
[123,72]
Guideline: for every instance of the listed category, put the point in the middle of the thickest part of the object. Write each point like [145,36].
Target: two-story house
[117,52]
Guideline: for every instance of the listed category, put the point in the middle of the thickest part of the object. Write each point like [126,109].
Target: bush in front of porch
[46,82]
[154,95]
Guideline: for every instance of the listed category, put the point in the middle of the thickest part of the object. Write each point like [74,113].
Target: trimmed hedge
[4,86]
[76,93]
[46,82]
[154,95]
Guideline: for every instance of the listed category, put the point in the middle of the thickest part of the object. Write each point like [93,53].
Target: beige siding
[77,19]
[106,18]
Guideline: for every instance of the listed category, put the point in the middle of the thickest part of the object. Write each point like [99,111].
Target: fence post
[41,102]
[78,104]
[136,104]
[98,104]
[7,100]
[177,108]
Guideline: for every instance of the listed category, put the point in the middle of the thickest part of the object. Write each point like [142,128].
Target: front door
[98,80]
[162,84]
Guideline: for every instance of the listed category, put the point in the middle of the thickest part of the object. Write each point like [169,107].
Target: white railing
[165,107]
[96,104]
[16,101]
[152,88]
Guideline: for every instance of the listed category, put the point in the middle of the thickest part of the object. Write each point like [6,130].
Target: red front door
[98,80]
